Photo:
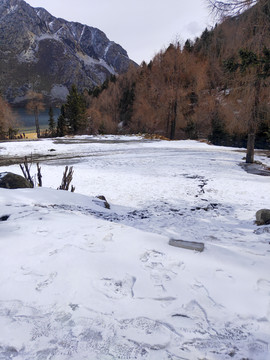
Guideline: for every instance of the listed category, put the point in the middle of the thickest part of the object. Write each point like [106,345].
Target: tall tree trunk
[37,123]
[173,120]
[250,148]
[253,123]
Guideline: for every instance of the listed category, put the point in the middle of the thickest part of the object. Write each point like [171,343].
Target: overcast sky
[142,27]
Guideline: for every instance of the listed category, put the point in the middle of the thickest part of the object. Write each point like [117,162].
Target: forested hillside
[215,87]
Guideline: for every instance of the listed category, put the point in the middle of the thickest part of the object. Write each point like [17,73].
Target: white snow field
[78,281]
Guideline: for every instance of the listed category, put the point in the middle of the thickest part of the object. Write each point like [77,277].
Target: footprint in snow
[116,288]
[43,284]
[93,244]
[161,267]
[108,237]
[263,285]
[221,274]
[42,232]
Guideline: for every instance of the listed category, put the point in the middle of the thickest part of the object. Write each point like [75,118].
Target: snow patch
[107,48]
[3,174]
[29,55]
[82,33]
[59,91]
[89,61]
[48,36]
[50,25]
[12,9]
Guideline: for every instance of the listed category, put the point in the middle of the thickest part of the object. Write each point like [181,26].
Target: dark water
[28,120]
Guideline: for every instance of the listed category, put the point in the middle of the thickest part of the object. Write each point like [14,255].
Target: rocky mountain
[46,54]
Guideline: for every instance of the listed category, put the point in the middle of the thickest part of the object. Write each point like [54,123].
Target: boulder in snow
[9,180]
[263,217]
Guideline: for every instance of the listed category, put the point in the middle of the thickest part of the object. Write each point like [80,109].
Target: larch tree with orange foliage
[8,121]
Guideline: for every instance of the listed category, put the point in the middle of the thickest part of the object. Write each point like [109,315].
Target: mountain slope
[249,30]
[48,54]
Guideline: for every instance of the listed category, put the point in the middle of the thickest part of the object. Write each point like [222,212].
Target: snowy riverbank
[79,281]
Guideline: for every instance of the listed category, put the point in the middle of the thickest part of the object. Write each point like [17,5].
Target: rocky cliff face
[48,55]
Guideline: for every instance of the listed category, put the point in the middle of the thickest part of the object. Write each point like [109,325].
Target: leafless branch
[26,171]
[39,176]
[66,180]
[221,9]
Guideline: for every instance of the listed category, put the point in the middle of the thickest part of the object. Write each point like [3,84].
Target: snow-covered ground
[78,281]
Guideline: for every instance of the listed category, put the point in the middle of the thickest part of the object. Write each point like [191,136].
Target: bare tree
[35,105]
[221,9]
[8,121]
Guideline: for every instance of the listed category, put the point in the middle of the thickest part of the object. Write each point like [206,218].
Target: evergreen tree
[219,135]
[61,123]
[191,130]
[126,104]
[252,71]
[75,111]
[188,46]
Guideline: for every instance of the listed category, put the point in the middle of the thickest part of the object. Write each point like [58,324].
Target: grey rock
[263,217]
[190,245]
[4,217]
[13,181]
[48,54]
[104,202]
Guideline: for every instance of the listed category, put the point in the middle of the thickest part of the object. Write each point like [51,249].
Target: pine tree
[252,72]
[61,123]
[75,111]
[126,104]
[188,46]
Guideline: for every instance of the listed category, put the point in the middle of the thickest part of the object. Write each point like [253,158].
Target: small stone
[4,217]
[190,245]
[105,202]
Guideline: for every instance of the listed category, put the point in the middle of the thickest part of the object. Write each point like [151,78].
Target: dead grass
[155,137]
[28,136]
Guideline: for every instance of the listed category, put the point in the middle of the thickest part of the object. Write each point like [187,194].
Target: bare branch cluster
[25,167]
[67,178]
[221,9]
[39,176]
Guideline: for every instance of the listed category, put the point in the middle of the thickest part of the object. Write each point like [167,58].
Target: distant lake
[28,120]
